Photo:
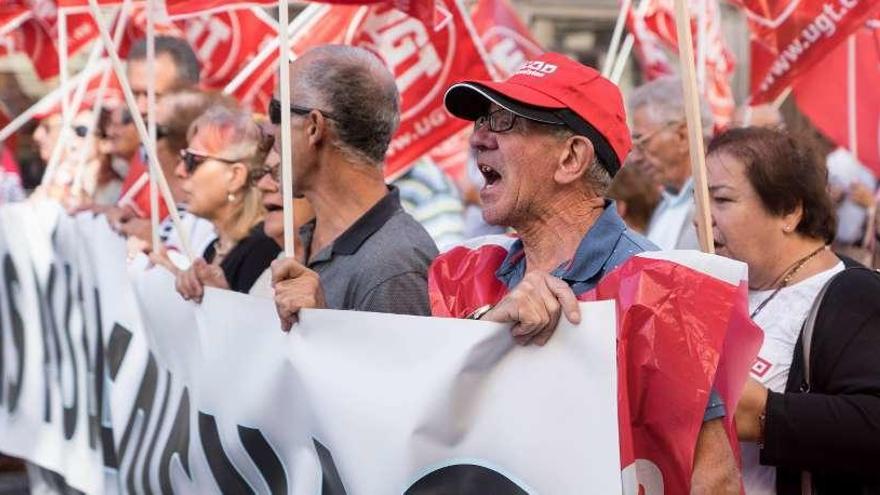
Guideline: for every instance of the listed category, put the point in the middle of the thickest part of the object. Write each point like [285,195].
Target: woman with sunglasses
[225,155]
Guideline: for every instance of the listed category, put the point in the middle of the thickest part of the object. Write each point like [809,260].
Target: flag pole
[286,151]
[141,127]
[151,121]
[622,59]
[124,10]
[69,108]
[63,74]
[851,113]
[271,46]
[703,216]
[611,57]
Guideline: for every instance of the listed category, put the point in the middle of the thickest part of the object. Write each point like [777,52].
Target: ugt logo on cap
[536,68]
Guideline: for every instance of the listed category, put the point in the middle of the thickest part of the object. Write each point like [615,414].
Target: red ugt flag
[424,60]
[420,9]
[790,36]
[653,27]
[821,95]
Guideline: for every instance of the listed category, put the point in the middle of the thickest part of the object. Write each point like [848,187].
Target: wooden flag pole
[300,22]
[286,149]
[703,216]
[141,127]
[616,35]
[151,121]
[95,115]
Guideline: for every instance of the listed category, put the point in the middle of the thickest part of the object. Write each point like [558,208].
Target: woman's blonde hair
[232,134]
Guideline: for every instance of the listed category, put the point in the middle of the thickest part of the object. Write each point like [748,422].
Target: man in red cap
[548,141]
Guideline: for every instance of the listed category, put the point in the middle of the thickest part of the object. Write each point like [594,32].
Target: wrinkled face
[46,134]
[742,227]
[122,134]
[207,188]
[273,202]
[658,146]
[517,167]
[138,75]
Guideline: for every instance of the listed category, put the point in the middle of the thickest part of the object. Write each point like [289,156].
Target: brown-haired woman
[225,155]
[771,210]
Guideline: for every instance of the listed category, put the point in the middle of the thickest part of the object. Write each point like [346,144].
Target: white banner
[110,379]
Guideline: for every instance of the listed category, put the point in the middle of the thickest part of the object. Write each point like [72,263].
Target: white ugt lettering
[400,42]
[217,31]
[642,474]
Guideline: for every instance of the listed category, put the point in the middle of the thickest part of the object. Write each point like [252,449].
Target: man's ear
[316,127]
[574,160]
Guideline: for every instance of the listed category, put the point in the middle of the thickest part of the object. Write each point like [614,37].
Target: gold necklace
[788,275]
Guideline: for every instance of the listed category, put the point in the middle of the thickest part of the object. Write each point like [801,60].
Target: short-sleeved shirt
[379,264]
[605,246]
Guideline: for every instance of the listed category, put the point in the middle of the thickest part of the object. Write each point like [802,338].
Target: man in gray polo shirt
[362,251]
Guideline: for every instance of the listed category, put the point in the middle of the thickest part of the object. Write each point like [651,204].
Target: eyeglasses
[640,142]
[192,161]
[162,132]
[275,111]
[81,131]
[125,118]
[500,120]
[273,171]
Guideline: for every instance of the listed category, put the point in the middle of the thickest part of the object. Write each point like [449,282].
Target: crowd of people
[582,179]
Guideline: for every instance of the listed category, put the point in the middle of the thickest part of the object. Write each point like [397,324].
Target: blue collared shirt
[606,246]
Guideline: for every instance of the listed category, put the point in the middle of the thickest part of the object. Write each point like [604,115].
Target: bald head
[356,89]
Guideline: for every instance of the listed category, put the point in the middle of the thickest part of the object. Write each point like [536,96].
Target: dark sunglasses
[191,161]
[275,111]
[81,131]
[162,132]
[125,118]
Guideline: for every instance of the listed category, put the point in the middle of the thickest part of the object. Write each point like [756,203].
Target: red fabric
[553,80]
[821,95]
[420,9]
[136,28]
[680,333]
[425,61]
[506,39]
[790,36]
[81,28]
[141,199]
[7,162]
[31,37]
[653,28]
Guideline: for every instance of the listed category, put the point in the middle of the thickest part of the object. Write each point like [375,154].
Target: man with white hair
[661,147]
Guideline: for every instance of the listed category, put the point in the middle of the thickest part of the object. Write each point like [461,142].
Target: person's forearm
[831,432]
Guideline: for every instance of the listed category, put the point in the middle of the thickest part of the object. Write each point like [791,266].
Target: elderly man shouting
[548,142]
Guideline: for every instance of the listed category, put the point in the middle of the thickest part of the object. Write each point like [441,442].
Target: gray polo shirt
[379,264]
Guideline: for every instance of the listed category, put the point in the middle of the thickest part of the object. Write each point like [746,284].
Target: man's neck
[553,236]
[341,195]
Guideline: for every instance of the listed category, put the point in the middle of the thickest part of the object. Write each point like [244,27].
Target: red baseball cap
[554,89]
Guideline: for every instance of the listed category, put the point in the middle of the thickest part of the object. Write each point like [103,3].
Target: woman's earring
[230,197]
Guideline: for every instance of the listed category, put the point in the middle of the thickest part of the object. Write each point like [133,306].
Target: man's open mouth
[489,174]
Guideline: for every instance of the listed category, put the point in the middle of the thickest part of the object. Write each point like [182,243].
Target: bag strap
[810,322]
